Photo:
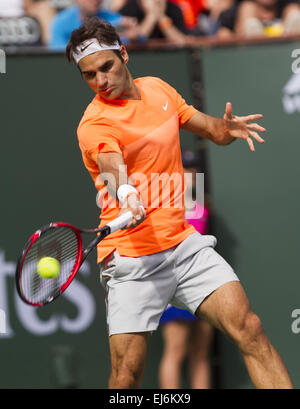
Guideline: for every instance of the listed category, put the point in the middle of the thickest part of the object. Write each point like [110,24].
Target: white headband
[91,46]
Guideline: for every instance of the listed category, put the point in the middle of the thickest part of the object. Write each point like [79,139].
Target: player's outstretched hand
[242,127]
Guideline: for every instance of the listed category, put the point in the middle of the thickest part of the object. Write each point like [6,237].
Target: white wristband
[124,191]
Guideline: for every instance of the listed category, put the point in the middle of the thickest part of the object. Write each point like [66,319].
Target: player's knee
[251,337]
[125,379]
[127,376]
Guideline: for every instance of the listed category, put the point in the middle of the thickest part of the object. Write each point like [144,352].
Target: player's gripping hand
[242,127]
[133,204]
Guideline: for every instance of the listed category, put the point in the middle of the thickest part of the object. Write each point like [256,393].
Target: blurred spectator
[43,12]
[191,10]
[12,8]
[25,22]
[61,4]
[269,17]
[227,21]
[261,17]
[209,19]
[71,18]
[157,18]
[185,335]
[202,16]
[117,4]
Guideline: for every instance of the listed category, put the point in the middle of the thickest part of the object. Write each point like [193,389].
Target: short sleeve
[185,111]
[95,138]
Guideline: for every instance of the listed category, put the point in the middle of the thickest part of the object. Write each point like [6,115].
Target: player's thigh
[201,337]
[227,308]
[129,351]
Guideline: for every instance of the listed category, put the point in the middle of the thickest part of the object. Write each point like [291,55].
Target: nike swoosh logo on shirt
[165,107]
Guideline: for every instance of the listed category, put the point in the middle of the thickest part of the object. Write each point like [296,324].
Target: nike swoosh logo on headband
[84,48]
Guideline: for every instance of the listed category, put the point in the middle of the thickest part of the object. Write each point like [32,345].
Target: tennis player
[129,139]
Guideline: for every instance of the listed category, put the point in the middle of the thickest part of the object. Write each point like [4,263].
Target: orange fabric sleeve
[98,137]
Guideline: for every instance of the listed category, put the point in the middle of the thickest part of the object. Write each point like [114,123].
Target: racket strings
[60,243]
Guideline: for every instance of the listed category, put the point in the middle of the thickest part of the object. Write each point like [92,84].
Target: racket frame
[111,227]
[28,246]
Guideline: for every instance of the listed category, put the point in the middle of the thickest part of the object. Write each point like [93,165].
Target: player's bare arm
[223,131]
[112,164]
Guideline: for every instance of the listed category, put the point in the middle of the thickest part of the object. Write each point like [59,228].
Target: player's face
[107,75]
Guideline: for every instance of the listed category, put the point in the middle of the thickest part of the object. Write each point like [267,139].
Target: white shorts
[140,288]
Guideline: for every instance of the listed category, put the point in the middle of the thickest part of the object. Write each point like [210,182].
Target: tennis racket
[63,242]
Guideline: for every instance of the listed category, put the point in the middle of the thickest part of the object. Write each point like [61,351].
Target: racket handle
[120,222]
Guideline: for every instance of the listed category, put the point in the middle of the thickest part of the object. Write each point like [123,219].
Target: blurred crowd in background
[49,23]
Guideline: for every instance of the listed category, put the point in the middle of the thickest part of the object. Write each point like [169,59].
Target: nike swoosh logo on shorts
[165,107]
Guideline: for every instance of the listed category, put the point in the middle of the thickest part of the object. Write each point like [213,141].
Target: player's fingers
[249,118]
[256,127]
[228,110]
[251,144]
[139,215]
[256,137]
[132,221]
[142,212]
[131,224]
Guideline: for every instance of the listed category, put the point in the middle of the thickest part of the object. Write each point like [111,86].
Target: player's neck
[131,91]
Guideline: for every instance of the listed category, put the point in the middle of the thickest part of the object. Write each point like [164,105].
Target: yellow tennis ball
[48,267]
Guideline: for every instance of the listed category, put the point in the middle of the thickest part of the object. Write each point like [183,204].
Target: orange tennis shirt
[146,133]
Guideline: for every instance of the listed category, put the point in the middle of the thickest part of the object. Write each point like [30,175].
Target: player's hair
[93,27]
